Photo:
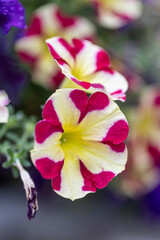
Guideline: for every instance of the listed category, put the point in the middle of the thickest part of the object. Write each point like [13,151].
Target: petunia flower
[11,14]
[49,21]
[142,173]
[79,143]
[4,101]
[31,193]
[87,65]
[117,13]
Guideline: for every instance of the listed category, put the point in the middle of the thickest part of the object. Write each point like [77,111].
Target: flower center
[67,137]
[78,73]
[108,3]
[145,124]
[70,139]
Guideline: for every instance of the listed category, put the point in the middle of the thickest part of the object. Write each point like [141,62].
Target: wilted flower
[142,173]
[79,144]
[117,13]
[49,21]
[4,101]
[87,65]
[31,193]
[11,14]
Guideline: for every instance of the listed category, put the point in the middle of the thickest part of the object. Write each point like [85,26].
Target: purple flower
[11,14]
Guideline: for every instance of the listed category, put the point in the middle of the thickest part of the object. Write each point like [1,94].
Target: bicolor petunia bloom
[117,13]
[87,66]
[79,144]
[49,21]
[12,13]
[143,168]
[4,101]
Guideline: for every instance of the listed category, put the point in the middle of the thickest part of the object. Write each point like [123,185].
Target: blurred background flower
[48,21]
[117,13]
[143,169]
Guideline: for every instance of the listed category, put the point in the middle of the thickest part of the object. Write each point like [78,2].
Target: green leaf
[15,172]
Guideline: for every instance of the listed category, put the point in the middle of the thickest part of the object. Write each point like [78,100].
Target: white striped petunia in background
[49,21]
[114,14]
[87,66]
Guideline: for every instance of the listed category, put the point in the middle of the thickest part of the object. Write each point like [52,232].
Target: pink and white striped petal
[68,26]
[110,81]
[107,161]
[47,154]
[82,56]
[67,107]
[117,13]
[71,180]
[61,51]
[79,176]
[29,48]
[47,15]
[81,28]
[103,120]
[88,66]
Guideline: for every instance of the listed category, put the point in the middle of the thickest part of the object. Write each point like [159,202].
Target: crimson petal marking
[119,95]
[93,181]
[50,114]
[123,16]
[85,85]
[157,101]
[155,154]
[97,85]
[61,51]
[35,27]
[80,99]
[48,168]
[117,133]
[53,52]
[78,45]
[103,60]
[26,57]
[65,21]
[56,183]
[44,129]
[69,48]
[119,148]
[97,101]
[57,79]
